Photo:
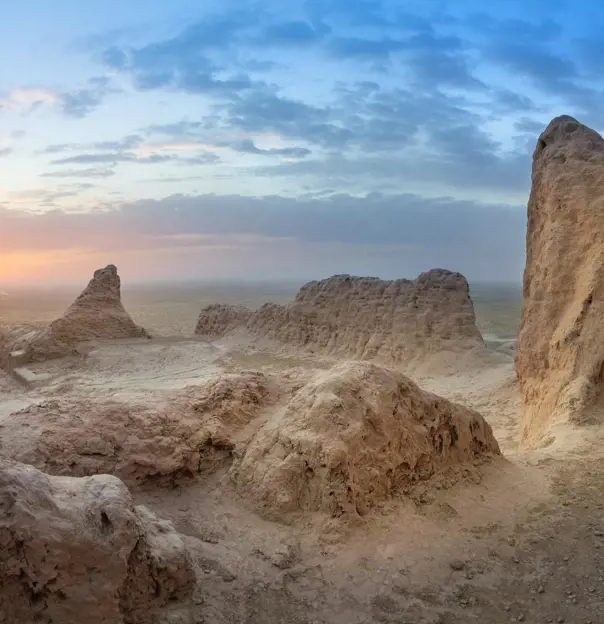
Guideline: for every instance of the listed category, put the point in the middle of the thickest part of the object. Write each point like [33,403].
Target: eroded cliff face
[560,354]
[399,321]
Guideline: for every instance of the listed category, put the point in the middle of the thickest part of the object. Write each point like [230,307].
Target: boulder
[559,354]
[77,550]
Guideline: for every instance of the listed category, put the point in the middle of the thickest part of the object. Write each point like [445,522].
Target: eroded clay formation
[337,441]
[401,321]
[77,550]
[560,354]
[219,319]
[97,314]
[139,443]
[353,436]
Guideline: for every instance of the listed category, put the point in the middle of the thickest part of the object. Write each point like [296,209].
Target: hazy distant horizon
[172,308]
[224,283]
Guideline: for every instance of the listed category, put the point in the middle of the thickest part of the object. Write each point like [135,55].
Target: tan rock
[399,321]
[77,550]
[219,319]
[351,438]
[559,355]
[190,434]
[97,314]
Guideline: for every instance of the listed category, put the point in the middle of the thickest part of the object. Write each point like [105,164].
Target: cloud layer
[372,124]
[413,227]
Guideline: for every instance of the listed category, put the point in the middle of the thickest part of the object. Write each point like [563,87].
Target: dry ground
[525,544]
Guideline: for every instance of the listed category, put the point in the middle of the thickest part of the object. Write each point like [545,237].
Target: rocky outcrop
[337,441]
[190,434]
[400,321]
[351,438]
[219,319]
[559,354]
[97,314]
[77,550]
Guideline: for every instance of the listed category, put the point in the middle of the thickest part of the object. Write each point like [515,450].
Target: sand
[519,540]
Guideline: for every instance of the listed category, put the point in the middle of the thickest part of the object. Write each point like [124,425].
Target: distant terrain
[172,308]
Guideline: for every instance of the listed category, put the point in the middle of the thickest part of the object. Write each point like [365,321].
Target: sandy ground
[522,544]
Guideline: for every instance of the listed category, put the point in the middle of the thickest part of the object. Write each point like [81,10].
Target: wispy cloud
[76,103]
[90,172]
[27,98]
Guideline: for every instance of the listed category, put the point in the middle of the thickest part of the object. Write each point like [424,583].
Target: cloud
[590,51]
[435,227]
[44,198]
[6,151]
[203,158]
[337,218]
[112,158]
[126,143]
[364,117]
[81,102]
[263,111]
[370,133]
[289,33]
[184,61]
[550,72]
[249,147]
[544,30]
[153,158]
[180,129]
[532,126]
[538,52]
[76,103]
[438,126]
[91,172]
[191,135]
[197,59]
[460,172]
[57,148]
[89,159]
[27,98]
[423,97]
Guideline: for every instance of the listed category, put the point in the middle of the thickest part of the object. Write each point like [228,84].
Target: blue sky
[289,140]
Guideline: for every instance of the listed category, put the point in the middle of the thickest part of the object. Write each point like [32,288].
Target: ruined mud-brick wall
[365,318]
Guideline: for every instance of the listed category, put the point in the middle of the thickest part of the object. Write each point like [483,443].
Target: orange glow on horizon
[78,265]
[37,265]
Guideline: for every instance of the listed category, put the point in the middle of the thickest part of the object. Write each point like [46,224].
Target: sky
[281,140]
